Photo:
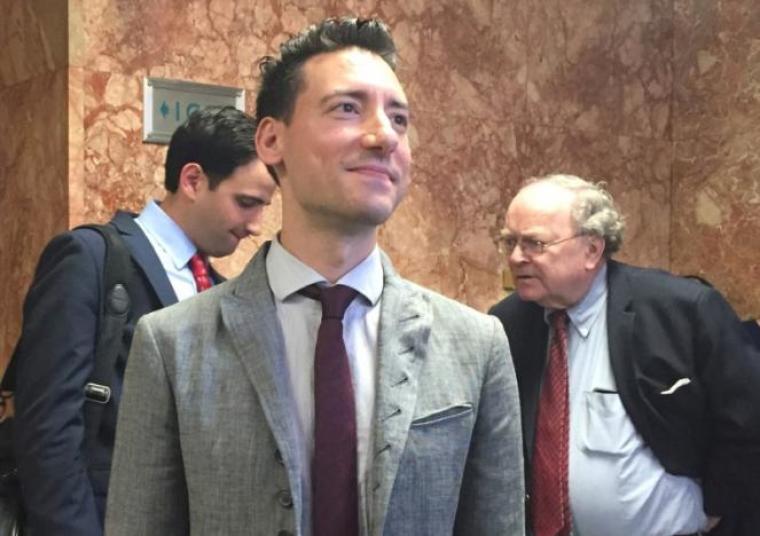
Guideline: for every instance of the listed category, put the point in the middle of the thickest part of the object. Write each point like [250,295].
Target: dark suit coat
[752,327]
[64,483]
[662,328]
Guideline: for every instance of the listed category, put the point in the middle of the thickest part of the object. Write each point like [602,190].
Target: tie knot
[335,300]
[559,326]
[199,266]
[558,318]
[198,263]
[559,322]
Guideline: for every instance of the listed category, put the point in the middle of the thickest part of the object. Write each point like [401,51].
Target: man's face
[233,211]
[344,158]
[561,275]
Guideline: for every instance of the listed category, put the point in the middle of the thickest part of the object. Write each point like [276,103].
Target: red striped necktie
[199,266]
[550,490]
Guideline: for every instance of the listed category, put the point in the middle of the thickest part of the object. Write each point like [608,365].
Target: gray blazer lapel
[250,316]
[405,322]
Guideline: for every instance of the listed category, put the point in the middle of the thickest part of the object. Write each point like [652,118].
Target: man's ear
[191,180]
[270,141]
[594,251]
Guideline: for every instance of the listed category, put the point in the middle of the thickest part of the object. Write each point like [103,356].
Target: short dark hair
[219,139]
[281,79]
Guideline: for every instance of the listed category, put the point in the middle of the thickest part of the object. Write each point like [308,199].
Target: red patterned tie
[335,506]
[551,502]
[199,266]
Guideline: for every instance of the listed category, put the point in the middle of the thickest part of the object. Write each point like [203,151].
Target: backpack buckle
[97,393]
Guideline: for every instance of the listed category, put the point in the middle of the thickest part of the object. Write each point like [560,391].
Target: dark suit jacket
[662,328]
[64,482]
[752,327]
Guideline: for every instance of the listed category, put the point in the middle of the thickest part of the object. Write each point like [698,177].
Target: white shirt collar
[583,313]
[287,274]
[168,235]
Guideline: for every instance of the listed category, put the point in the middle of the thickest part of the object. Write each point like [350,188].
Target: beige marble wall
[599,82]
[657,97]
[716,196]
[466,154]
[442,236]
[210,42]
[33,147]
[531,88]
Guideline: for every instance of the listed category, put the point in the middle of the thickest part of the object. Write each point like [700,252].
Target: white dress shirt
[617,485]
[300,317]
[172,246]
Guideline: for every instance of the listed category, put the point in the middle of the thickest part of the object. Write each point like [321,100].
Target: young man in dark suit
[216,190]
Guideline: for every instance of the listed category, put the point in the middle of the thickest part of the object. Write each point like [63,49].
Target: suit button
[278,457]
[285,499]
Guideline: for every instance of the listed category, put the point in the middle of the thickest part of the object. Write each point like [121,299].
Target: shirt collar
[287,274]
[170,236]
[583,313]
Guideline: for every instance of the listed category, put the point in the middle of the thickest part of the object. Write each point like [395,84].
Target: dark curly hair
[281,78]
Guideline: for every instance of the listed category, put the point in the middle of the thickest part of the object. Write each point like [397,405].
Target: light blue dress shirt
[617,485]
[172,246]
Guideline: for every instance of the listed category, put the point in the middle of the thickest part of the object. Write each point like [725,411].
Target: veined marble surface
[659,98]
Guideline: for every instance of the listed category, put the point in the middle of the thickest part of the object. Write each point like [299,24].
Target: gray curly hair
[594,211]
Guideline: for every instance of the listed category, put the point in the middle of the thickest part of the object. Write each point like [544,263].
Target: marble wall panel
[717,68]
[33,35]
[500,91]
[33,189]
[75,123]
[601,66]
[716,200]
[462,136]
[210,42]
[463,141]
[716,215]
[215,41]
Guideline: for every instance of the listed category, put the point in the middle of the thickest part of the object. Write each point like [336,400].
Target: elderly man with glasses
[639,391]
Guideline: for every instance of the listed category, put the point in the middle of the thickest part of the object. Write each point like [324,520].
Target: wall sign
[168,103]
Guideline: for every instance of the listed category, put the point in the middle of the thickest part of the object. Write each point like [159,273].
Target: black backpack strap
[114,311]
[9,376]
[117,269]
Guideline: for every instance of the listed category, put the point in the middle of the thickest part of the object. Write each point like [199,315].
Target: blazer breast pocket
[431,469]
[441,416]
[438,441]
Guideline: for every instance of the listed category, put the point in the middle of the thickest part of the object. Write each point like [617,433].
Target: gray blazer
[206,435]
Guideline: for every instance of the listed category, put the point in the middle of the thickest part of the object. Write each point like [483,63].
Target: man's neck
[588,283]
[178,210]
[331,254]
[171,207]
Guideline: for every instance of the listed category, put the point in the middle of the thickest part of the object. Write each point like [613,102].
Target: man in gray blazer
[219,416]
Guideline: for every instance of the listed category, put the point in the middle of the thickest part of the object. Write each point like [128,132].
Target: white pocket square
[673,388]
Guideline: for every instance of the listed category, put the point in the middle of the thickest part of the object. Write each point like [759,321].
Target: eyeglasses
[529,246]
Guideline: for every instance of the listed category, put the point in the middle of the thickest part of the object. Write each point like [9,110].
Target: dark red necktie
[199,266]
[550,498]
[335,506]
